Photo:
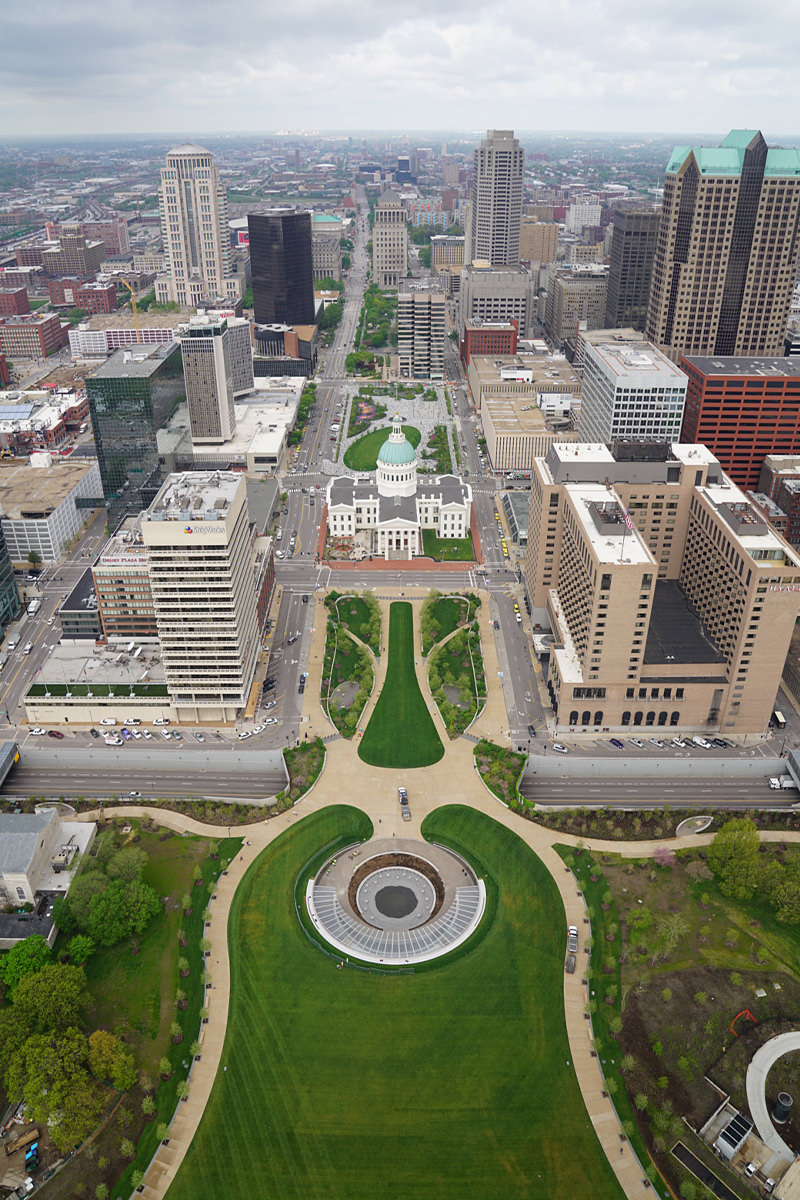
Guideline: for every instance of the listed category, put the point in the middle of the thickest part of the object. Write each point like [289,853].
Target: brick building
[488,338]
[32,336]
[113,233]
[27,277]
[742,409]
[91,297]
[14,302]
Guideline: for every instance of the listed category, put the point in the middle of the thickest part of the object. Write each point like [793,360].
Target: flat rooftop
[640,362]
[33,493]
[125,544]
[611,539]
[123,319]
[136,362]
[551,373]
[676,634]
[511,415]
[195,495]
[771,368]
[82,663]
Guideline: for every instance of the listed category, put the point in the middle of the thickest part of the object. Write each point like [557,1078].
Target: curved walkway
[756,1085]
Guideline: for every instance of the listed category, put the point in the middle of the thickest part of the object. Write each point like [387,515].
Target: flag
[628,520]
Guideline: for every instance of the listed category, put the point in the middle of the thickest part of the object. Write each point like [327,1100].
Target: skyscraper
[194,227]
[282,267]
[633,247]
[207,372]
[389,241]
[131,396]
[495,210]
[421,334]
[726,258]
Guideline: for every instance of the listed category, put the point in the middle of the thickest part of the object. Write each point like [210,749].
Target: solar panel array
[397,945]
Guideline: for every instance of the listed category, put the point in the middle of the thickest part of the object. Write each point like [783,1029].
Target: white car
[135,733]
[270,720]
[166,735]
[108,721]
[258,729]
[244,734]
[702,742]
[114,741]
[147,735]
[657,742]
[559,749]
[637,742]
[37,732]
[161,720]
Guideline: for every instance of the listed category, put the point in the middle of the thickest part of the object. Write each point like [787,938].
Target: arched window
[651,719]
[637,717]
[626,718]
[598,718]
[573,717]
[662,718]
[676,716]
[586,717]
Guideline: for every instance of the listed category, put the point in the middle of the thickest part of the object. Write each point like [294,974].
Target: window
[626,716]
[605,583]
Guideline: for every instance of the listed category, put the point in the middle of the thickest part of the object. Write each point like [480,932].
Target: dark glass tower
[282,267]
[633,247]
[9,596]
[131,397]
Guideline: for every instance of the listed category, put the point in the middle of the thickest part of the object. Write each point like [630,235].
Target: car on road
[134,795]
[279,554]
[199,737]
[291,641]
[301,687]
[637,742]
[246,733]
[38,732]
[26,649]
[559,748]
[50,620]
[95,733]
[620,745]
[55,733]
[496,624]
[161,720]
[108,721]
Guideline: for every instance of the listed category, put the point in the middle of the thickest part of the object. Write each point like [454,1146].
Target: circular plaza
[395,901]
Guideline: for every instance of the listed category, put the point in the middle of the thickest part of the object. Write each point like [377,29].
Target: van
[702,742]
[13,641]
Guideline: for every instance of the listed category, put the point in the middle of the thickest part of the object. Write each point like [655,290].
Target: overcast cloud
[165,65]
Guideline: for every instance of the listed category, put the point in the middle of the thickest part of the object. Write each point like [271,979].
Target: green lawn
[401,732]
[447,549]
[449,1082]
[363,454]
[359,615]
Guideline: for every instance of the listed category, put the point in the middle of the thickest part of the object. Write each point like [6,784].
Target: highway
[135,775]
[666,793]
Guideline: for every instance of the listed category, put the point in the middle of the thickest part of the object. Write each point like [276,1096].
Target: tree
[122,909]
[786,899]
[26,958]
[162,1131]
[101,1191]
[52,998]
[164,1067]
[49,1071]
[641,1101]
[148,1107]
[73,913]
[79,948]
[127,864]
[734,857]
[110,1059]
[127,1148]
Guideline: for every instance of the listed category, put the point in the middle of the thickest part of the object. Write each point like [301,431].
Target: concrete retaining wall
[698,766]
[234,760]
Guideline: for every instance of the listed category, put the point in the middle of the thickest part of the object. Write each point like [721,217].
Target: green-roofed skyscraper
[728,242]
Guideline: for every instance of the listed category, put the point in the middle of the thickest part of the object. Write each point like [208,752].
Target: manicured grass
[362,616]
[401,732]
[447,549]
[363,454]
[447,1082]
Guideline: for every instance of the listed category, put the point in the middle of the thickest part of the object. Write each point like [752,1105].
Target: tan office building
[447,250]
[421,334]
[389,241]
[545,379]
[518,431]
[726,256]
[680,620]
[203,581]
[572,297]
[538,241]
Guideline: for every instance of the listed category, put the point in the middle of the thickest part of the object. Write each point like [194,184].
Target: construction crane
[129,286]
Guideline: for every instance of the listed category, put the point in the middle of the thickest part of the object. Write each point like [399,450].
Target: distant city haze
[174,66]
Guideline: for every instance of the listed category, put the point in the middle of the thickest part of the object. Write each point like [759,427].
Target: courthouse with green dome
[395,507]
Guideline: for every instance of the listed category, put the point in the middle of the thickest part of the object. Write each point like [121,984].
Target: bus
[34,607]
[779,719]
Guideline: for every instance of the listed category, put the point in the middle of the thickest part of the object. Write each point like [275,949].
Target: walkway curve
[759,1068]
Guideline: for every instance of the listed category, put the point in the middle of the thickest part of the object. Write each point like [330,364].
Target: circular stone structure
[396,901]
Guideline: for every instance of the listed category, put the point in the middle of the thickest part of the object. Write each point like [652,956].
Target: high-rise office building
[421,334]
[9,596]
[633,247]
[131,396]
[726,257]
[494,214]
[681,618]
[194,228]
[389,241]
[538,241]
[631,392]
[206,353]
[282,267]
[574,296]
[203,581]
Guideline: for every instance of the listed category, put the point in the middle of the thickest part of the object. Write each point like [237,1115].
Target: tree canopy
[733,856]
[26,958]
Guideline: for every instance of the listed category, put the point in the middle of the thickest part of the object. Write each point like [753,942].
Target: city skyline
[413,71]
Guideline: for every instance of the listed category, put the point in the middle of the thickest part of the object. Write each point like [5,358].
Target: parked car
[678,741]
[165,735]
[55,733]
[702,742]
[126,733]
[199,737]
[147,735]
[559,749]
[620,745]
[270,721]
[94,733]
[38,732]
[134,795]
[114,741]
[176,737]
[637,742]
[161,720]
[246,733]
[108,721]
[657,742]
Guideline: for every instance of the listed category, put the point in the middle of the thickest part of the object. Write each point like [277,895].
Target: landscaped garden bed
[441,615]
[610,824]
[304,764]
[360,614]
[438,451]
[500,770]
[347,677]
[457,680]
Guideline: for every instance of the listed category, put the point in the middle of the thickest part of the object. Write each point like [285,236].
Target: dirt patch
[397,859]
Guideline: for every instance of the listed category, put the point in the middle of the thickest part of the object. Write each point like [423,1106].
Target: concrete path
[756,1086]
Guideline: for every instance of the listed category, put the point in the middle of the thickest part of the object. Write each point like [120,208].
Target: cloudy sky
[166,65]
